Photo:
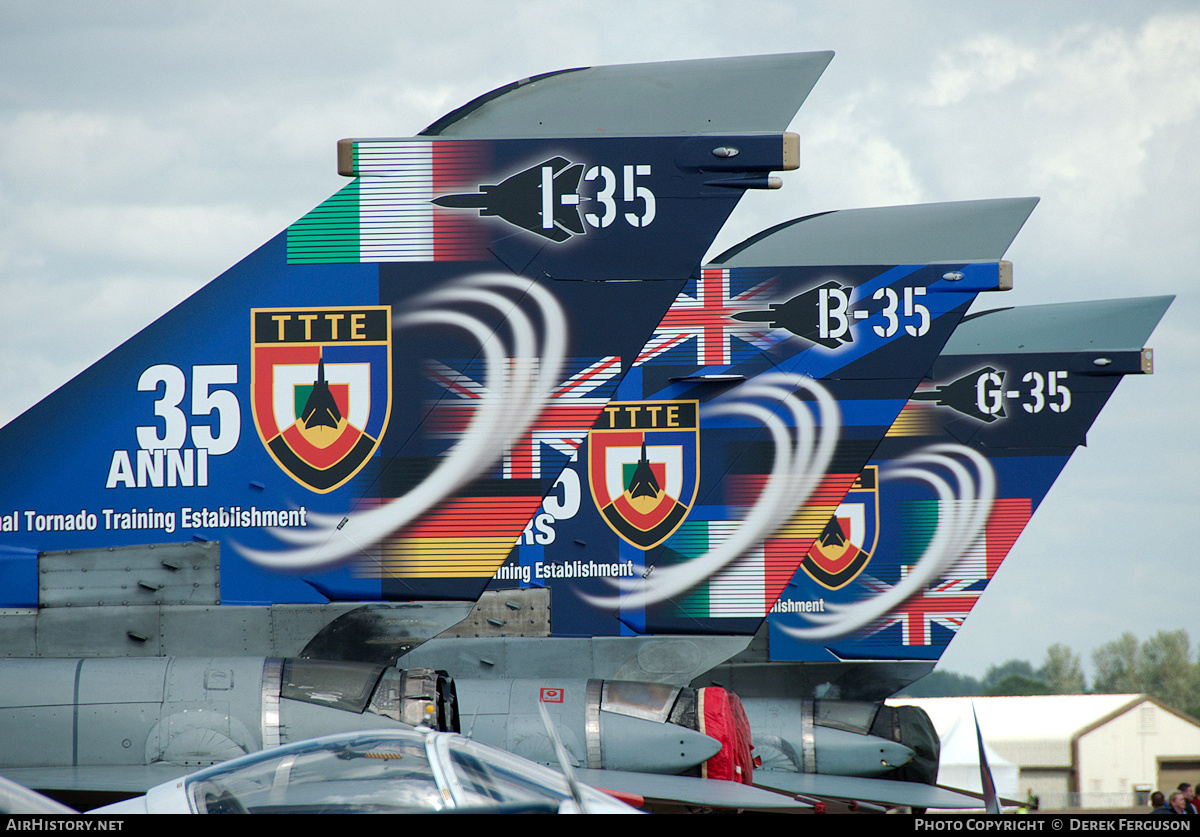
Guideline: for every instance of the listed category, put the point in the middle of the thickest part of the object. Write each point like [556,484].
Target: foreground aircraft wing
[120,781]
[16,798]
[881,791]
[689,791]
[341,414]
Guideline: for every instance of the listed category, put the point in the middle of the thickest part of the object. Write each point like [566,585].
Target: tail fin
[759,399]
[959,475]
[429,333]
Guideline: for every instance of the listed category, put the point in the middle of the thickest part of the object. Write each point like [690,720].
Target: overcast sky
[147,146]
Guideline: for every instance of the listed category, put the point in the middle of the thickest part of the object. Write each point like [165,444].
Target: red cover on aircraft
[722,717]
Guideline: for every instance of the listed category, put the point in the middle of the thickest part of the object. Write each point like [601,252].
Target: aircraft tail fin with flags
[953,484]
[344,409]
[750,412]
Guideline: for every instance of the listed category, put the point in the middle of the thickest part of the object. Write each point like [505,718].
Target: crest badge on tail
[642,467]
[845,546]
[321,387]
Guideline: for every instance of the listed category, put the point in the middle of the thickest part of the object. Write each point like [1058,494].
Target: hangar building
[1073,751]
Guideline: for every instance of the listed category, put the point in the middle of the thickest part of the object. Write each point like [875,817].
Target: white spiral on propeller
[520,380]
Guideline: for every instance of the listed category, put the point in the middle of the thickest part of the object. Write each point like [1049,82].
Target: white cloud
[983,65]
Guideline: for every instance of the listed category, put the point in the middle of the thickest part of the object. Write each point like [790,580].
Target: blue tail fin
[957,478]
[751,412]
[334,404]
